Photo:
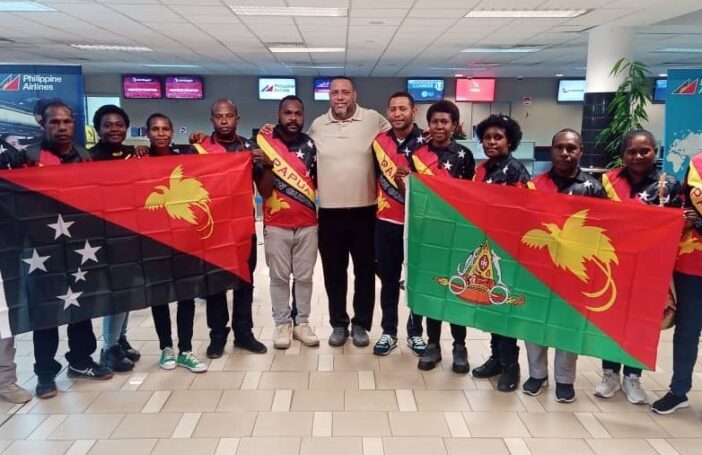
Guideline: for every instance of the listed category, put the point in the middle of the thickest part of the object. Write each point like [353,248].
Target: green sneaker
[168,359]
[191,362]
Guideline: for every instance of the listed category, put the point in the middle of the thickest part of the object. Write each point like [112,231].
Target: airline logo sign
[275,88]
[10,82]
[35,82]
[689,87]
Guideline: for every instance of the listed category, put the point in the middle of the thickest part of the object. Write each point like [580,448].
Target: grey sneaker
[338,336]
[359,336]
[15,394]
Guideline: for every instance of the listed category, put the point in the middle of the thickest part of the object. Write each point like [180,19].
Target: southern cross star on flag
[584,275]
[84,240]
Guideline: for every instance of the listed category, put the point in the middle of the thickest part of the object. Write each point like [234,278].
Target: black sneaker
[216,349]
[534,386]
[116,359]
[251,344]
[460,359]
[131,353]
[431,357]
[46,388]
[488,369]
[90,370]
[385,344]
[509,378]
[669,404]
[565,393]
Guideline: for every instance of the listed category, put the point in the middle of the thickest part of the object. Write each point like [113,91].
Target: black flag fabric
[98,238]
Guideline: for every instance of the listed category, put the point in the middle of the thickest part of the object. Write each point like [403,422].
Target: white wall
[539,120]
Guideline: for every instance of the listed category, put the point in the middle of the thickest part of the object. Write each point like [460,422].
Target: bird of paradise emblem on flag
[572,245]
[275,204]
[180,198]
[479,279]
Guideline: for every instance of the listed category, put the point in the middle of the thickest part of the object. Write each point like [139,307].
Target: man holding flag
[393,160]
[290,221]
[56,149]
[565,177]
[225,118]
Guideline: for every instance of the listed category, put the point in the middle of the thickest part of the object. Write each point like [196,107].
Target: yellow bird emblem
[275,204]
[689,244]
[575,243]
[382,203]
[180,198]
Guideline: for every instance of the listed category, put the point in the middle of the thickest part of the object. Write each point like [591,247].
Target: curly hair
[445,107]
[628,137]
[109,109]
[504,122]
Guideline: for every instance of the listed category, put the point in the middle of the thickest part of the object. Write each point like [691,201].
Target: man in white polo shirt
[347,199]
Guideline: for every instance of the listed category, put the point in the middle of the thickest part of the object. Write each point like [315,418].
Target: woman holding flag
[443,156]
[500,135]
[636,182]
[688,286]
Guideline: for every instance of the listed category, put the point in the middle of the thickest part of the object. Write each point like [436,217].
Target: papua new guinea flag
[580,274]
[79,241]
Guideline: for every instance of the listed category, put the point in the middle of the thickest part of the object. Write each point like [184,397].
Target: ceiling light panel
[539,14]
[298,11]
[24,7]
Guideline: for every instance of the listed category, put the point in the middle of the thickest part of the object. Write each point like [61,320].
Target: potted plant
[627,108]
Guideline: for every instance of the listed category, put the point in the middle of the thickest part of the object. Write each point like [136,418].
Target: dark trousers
[389,253]
[343,232]
[504,349]
[458,332]
[616,367]
[242,319]
[687,331]
[185,315]
[81,346]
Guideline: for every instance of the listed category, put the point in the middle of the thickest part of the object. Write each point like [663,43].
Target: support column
[606,45]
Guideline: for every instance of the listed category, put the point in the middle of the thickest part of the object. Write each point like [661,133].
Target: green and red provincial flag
[583,275]
[84,240]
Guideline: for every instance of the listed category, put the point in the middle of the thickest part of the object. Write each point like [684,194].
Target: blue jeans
[614,366]
[113,328]
[687,331]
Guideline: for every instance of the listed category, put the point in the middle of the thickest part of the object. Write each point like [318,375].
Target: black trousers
[504,349]
[343,232]
[185,315]
[434,332]
[389,253]
[81,346]
[242,319]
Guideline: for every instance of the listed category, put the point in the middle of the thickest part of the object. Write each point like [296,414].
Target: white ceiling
[383,38]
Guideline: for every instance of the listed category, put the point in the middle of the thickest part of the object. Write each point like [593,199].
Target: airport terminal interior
[537,61]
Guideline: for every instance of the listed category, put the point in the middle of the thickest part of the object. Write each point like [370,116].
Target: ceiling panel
[381,36]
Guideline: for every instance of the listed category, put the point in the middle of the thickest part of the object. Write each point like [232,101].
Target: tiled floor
[341,401]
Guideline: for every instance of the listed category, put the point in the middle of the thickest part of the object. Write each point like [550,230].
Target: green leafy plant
[459,134]
[628,107]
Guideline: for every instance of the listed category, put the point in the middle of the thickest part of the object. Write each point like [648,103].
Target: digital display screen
[426,89]
[571,91]
[184,88]
[322,87]
[475,90]
[660,87]
[141,87]
[275,88]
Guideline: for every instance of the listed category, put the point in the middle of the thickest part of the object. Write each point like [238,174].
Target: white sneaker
[305,334]
[633,390]
[282,336]
[609,385]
